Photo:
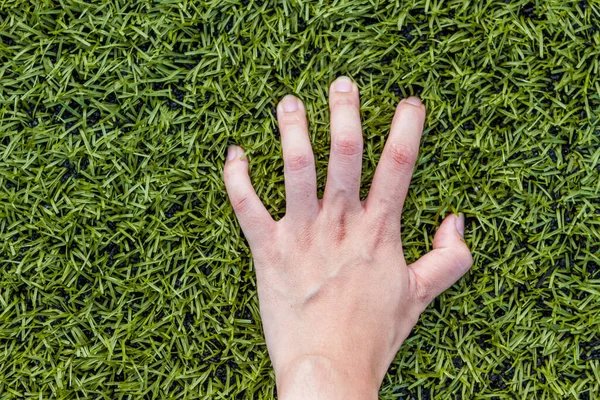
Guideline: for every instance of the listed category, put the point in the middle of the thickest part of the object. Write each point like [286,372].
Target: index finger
[394,171]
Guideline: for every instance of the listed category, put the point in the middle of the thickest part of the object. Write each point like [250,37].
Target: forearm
[318,378]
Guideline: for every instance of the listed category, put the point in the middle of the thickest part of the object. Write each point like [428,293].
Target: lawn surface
[123,272]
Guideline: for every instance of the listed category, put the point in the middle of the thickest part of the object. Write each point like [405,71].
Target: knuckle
[305,236]
[232,173]
[375,244]
[339,233]
[337,205]
[229,172]
[411,111]
[297,161]
[380,231]
[459,256]
[384,234]
[343,100]
[424,292]
[402,156]
[348,146]
[337,222]
[240,202]
[464,258]
[291,119]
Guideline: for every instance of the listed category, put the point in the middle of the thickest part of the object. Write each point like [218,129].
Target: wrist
[318,377]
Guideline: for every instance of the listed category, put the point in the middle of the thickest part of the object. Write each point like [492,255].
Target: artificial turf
[123,272]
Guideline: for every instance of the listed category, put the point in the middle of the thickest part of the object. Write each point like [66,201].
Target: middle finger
[345,160]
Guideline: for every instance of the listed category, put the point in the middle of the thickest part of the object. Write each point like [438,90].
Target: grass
[123,272]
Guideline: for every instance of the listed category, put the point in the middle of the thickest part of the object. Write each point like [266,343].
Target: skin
[337,298]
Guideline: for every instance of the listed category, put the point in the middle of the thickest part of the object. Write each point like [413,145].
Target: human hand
[337,298]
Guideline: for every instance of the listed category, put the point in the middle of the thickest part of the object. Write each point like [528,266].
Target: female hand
[337,298]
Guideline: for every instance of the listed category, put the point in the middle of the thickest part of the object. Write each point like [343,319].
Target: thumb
[439,269]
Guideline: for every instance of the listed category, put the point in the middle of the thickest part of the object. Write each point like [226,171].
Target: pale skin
[337,299]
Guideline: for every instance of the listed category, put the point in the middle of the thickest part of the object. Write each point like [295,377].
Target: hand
[337,298]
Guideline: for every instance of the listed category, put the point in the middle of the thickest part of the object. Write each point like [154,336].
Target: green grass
[123,272]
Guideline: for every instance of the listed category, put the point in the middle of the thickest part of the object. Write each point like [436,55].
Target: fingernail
[231,152]
[343,84]
[460,224]
[289,103]
[413,101]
